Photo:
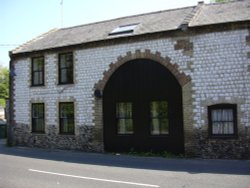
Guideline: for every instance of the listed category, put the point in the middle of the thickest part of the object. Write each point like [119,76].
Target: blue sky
[23,20]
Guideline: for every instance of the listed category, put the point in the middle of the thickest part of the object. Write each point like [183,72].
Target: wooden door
[142,105]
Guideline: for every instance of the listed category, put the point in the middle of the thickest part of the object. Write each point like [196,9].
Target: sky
[23,20]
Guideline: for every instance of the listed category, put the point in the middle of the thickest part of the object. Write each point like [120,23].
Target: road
[22,167]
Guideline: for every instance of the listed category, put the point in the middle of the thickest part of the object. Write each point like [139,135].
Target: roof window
[124,29]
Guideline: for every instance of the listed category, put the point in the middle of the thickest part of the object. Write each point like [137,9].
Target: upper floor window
[66,74]
[222,120]
[38,117]
[37,71]
[66,113]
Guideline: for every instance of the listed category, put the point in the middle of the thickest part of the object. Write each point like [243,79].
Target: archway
[142,109]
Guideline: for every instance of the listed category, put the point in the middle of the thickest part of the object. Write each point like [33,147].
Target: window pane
[65,63]
[215,115]
[67,125]
[37,117]
[67,110]
[37,71]
[124,118]
[64,127]
[124,110]
[159,117]
[129,126]
[62,61]
[159,109]
[38,78]
[69,75]
[228,128]
[125,126]
[38,110]
[121,126]
[39,125]
[227,115]
[164,126]
[38,64]
[66,68]
[70,125]
[159,126]
[220,128]
[215,128]
[67,117]
[155,126]
[64,76]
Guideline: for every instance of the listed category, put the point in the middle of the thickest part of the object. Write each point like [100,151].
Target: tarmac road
[22,167]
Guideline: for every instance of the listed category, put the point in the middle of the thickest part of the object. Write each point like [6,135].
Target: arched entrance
[142,108]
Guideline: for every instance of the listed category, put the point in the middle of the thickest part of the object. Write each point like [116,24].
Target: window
[37,71]
[66,75]
[124,118]
[38,117]
[125,29]
[159,117]
[222,120]
[66,113]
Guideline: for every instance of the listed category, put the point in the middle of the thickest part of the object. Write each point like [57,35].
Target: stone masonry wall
[217,63]
[221,75]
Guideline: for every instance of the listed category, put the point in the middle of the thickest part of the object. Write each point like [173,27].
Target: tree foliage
[4,84]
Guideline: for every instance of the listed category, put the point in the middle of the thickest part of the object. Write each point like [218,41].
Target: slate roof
[195,16]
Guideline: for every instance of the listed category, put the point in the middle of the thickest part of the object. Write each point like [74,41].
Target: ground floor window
[124,118]
[38,117]
[222,120]
[66,115]
[159,117]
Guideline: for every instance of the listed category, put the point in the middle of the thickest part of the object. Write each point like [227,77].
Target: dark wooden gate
[142,105]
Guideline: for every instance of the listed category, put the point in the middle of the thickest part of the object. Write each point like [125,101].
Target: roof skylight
[124,29]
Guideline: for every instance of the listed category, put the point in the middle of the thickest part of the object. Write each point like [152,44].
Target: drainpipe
[10,107]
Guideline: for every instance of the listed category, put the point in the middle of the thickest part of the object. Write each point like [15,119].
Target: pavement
[51,168]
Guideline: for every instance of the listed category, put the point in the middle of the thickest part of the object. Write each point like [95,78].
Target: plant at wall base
[164,154]
[4,85]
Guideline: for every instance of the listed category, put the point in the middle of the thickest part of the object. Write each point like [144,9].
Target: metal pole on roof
[61,13]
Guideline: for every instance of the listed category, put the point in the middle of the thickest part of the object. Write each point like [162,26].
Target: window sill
[61,84]
[223,137]
[132,134]
[37,133]
[67,134]
[34,86]
[159,135]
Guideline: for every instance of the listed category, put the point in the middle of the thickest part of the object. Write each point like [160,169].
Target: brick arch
[184,81]
[138,54]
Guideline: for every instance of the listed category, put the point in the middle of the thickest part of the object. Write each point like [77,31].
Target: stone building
[175,80]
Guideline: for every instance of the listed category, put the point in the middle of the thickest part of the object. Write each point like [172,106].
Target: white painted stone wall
[218,71]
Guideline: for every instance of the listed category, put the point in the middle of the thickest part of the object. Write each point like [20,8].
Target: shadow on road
[193,166]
